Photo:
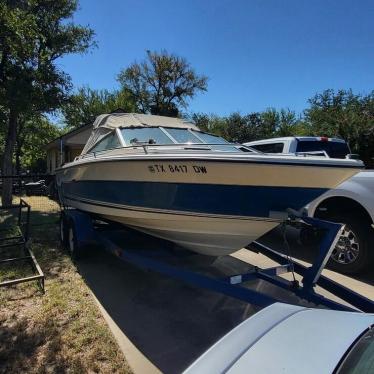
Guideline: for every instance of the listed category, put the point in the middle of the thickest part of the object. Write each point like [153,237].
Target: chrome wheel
[347,248]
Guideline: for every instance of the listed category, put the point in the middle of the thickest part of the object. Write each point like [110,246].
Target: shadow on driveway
[170,322]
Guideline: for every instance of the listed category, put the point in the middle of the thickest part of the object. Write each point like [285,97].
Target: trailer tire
[75,248]
[63,230]
[353,252]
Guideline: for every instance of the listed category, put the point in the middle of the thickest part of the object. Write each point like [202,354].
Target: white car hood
[284,338]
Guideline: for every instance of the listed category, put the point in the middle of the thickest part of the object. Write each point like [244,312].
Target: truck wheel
[353,252]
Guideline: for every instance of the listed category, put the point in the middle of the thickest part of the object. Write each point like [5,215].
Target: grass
[62,331]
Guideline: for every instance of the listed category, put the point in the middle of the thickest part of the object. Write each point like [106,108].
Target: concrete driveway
[163,324]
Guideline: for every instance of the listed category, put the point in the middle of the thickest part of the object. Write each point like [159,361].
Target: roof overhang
[76,137]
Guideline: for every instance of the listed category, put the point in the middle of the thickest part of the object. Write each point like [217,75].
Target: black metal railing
[16,255]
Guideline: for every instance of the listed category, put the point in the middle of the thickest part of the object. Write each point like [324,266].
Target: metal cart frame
[21,239]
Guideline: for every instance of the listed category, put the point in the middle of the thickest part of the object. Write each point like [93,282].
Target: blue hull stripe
[253,201]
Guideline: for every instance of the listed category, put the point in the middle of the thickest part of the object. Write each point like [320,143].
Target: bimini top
[106,123]
[114,120]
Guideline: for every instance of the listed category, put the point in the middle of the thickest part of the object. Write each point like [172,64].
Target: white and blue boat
[165,177]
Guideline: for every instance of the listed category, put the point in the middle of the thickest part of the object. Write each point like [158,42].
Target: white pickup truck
[351,203]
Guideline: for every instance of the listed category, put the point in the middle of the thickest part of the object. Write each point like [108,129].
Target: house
[67,147]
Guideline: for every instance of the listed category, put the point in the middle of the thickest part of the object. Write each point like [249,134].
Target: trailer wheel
[73,245]
[63,230]
[353,252]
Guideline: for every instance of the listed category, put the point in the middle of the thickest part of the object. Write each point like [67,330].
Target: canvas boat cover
[115,120]
[108,122]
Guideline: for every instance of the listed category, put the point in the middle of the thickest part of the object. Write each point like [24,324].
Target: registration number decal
[175,168]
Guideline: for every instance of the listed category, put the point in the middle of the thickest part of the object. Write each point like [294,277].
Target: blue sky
[256,53]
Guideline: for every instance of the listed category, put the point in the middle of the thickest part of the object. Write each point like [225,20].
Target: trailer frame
[78,231]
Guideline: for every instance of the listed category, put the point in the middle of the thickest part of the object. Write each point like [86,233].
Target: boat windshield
[135,136]
[145,135]
[212,139]
[183,136]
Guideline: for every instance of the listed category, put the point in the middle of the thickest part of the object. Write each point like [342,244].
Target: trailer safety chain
[288,249]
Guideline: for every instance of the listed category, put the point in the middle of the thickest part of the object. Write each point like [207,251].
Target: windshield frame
[115,134]
[203,144]
[170,136]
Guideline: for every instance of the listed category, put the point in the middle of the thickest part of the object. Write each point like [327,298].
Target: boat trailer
[80,230]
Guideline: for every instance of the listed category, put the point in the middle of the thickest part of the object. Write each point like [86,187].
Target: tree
[243,128]
[33,35]
[210,123]
[33,134]
[331,113]
[346,115]
[253,126]
[282,123]
[86,104]
[162,83]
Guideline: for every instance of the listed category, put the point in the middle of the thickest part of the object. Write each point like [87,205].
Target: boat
[165,177]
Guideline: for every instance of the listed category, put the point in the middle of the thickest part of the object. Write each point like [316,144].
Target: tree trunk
[19,145]
[6,193]
[17,154]
[18,159]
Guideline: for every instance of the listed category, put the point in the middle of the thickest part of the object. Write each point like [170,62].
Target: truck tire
[353,252]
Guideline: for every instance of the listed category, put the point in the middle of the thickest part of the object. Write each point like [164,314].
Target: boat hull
[208,235]
[213,207]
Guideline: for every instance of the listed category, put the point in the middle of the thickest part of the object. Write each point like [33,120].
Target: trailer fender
[82,226]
